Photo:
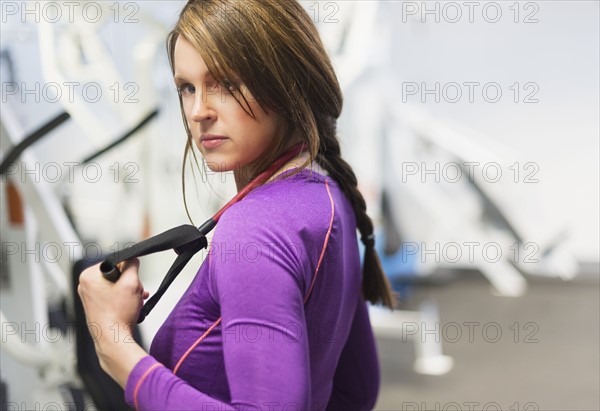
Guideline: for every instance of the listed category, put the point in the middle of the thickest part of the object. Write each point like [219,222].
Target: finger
[146,294]
[127,264]
[121,266]
[89,273]
[130,267]
[129,275]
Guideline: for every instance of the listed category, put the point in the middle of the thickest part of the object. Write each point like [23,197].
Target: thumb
[129,270]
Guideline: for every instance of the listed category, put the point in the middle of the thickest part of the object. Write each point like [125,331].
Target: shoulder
[296,205]
[265,237]
[287,220]
[277,232]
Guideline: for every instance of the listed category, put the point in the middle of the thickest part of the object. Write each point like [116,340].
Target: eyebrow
[178,77]
[182,77]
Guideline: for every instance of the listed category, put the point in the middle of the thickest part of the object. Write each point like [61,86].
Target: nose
[202,110]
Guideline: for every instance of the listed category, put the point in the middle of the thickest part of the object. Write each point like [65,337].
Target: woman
[276,316]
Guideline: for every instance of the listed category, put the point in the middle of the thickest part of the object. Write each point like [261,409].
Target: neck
[242,177]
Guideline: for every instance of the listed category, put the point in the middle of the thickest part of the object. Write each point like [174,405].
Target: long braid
[376,287]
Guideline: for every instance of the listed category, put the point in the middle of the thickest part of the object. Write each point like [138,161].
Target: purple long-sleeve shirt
[260,327]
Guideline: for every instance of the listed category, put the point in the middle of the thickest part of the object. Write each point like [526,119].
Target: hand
[112,309]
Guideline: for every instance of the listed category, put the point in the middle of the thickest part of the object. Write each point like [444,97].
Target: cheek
[266,123]
[187,104]
[188,114]
[272,128]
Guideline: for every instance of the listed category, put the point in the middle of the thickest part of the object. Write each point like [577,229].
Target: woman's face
[211,112]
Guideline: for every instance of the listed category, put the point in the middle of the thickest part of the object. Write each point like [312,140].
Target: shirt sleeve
[259,282]
[357,375]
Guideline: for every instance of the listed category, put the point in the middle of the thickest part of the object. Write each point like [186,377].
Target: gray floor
[551,363]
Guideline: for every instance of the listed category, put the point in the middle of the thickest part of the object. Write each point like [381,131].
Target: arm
[356,379]
[263,328]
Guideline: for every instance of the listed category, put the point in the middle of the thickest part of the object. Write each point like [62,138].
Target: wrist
[118,358]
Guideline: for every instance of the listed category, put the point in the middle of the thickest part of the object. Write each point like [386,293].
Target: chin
[218,163]
[216,167]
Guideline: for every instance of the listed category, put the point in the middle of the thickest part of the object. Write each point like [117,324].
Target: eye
[229,85]
[184,87]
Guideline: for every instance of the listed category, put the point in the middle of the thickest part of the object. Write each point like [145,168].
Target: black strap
[186,240]
[180,262]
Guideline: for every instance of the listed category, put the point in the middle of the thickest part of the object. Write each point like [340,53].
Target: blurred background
[473,128]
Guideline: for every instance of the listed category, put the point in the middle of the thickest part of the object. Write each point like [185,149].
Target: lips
[208,137]
[211,140]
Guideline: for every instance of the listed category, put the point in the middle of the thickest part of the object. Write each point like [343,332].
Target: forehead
[187,61]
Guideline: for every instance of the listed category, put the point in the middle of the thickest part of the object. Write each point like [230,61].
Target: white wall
[560,53]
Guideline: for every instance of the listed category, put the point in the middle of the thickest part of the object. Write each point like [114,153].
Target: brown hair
[274,49]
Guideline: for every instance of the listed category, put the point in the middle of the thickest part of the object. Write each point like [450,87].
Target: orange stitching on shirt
[325,243]
[212,327]
[198,341]
[139,384]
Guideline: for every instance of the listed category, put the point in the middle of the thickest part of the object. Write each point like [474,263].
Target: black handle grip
[110,272]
